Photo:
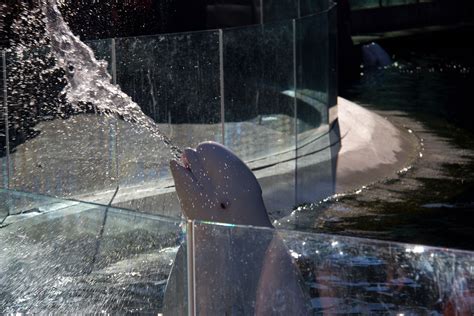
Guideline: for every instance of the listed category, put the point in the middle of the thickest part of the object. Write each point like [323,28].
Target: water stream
[88,81]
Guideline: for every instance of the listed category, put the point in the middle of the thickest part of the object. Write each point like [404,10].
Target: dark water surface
[429,90]
[432,79]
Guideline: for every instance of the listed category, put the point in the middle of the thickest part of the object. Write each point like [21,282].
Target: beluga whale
[373,55]
[238,270]
[213,184]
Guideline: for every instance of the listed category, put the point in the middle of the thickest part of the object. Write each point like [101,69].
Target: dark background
[106,19]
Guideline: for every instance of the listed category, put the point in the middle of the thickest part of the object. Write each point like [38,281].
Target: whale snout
[212,183]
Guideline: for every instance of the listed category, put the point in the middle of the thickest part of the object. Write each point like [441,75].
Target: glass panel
[312,60]
[308,7]
[103,51]
[52,151]
[229,284]
[283,272]
[278,10]
[315,155]
[175,80]
[16,206]
[332,65]
[79,258]
[255,90]
[259,114]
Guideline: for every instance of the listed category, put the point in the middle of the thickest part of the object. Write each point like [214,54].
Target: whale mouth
[183,161]
[182,170]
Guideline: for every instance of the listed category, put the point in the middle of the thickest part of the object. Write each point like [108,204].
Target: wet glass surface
[279,10]
[175,80]
[255,103]
[315,162]
[71,257]
[332,274]
[228,86]
[103,51]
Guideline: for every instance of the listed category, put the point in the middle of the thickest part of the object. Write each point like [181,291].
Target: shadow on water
[428,89]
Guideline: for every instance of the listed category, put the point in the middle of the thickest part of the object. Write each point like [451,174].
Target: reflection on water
[427,92]
[431,78]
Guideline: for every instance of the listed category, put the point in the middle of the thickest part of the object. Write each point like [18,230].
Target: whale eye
[224,205]
[71,68]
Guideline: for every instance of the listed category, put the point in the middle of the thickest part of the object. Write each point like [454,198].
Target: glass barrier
[278,10]
[175,80]
[50,150]
[66,257]
[308,7]
[262,90]
[104,50]
[258,68]
[266,271]
[315,155]
[60,256]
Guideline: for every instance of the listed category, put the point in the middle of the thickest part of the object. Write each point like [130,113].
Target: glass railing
[287,272]
[67,257]
[264,90]
[63,257]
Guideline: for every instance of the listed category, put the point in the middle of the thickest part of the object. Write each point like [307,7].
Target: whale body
[238,270]
[373,55]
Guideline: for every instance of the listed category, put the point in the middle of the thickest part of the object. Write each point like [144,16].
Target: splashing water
[87,79]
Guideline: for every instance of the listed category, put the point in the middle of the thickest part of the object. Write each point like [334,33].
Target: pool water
[426,91]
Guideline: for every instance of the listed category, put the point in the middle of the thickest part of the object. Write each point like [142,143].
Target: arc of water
[88,81]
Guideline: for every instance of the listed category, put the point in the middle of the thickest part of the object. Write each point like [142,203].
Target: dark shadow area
[108,19]
[405,16]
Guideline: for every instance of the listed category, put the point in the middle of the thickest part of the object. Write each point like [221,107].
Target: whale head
[213,184]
